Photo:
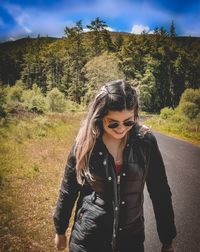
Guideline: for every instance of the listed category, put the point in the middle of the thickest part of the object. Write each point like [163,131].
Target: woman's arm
[160,194]
[67,197]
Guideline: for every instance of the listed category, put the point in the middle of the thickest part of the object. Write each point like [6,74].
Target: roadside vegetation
[33,154]
[183,121]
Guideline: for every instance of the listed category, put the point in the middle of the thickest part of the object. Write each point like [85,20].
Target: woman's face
[118,117]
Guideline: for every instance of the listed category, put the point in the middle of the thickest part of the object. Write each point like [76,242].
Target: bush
[34,100]
[190,103]
[73,106]
[189,109]
[56,100]
[191,95]
[197,121]
[14,94]
[179,118]
[37,104]
[166,113]
[26,97]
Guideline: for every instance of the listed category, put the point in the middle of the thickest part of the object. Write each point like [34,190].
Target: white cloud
[138,29]
[52,20]
[107,28]
[12,39]
[21,18]
[86,30]
[110,28]
[30,21]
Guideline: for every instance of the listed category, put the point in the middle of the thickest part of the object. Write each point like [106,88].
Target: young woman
[112,159]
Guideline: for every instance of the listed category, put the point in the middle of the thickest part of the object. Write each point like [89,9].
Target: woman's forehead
[120,115]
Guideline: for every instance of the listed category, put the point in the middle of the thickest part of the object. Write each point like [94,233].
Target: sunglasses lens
[129,123]
[113,125]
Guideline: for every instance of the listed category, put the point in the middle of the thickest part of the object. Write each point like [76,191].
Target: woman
[112,159]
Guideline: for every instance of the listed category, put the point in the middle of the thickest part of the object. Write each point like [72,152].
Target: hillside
[160,65]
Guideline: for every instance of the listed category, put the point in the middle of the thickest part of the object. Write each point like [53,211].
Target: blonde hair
[116,96]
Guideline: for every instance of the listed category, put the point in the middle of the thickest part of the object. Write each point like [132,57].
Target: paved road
[182,161]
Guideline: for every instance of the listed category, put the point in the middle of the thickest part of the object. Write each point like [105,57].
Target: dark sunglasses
[113,125]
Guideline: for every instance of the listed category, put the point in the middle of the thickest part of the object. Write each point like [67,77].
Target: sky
[22,18]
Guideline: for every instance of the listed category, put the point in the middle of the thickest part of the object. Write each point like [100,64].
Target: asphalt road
[182,162]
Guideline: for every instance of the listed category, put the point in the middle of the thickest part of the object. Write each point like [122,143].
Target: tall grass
[176,125]
[33,153]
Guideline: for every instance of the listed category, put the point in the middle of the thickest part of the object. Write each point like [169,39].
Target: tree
[96,26]
[32,71]
[118,42]
[172,31]
[53,56]
[106,41]
[100,70]
[147,86]
[75,61]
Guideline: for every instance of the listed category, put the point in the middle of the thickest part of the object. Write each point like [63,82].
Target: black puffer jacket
[111,207]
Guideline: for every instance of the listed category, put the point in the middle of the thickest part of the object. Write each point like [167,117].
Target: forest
[161,65]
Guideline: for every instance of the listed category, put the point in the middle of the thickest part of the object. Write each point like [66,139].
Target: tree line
[160,65]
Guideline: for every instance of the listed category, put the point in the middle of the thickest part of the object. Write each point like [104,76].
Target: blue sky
[19,18]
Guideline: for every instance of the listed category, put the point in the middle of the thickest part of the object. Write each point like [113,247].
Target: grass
[33,153]
[181,129]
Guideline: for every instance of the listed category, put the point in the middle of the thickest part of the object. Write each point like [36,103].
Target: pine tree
[76,54]
[96,27]
[118,42]
[172,32]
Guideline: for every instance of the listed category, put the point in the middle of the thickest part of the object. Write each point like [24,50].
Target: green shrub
[37,104]
[166,113]
[179,118]
[34,100]
[197,121]
[14,94]
[189,103]
[56,100]
[13,101]
[191,95]
[73,106]
[189,109]
[27,95]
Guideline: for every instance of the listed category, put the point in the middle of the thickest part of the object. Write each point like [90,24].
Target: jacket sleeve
[68,194]
[160,194]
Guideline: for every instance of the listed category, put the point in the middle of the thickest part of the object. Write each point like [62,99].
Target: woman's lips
[119,133]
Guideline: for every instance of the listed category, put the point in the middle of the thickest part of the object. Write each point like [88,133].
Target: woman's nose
[121,127]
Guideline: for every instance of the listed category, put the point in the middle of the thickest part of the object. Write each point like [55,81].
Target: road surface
[182,162]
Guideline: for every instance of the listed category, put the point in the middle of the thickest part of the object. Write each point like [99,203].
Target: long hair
[116,95]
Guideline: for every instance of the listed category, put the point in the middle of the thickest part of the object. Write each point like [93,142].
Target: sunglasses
[113,125]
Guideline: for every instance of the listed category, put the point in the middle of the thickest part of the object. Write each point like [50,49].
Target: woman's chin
[119,135]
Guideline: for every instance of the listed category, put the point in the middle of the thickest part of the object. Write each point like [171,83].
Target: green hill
[159,65]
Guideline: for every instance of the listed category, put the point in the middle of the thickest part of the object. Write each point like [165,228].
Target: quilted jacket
[110,207]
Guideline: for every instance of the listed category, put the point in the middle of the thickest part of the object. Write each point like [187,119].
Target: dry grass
[30,187]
